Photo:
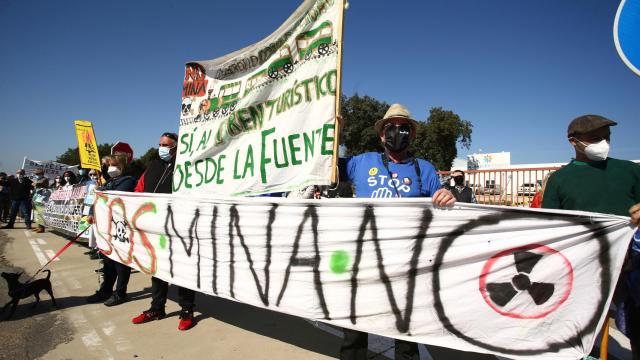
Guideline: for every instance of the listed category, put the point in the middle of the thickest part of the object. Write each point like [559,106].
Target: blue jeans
[24,206]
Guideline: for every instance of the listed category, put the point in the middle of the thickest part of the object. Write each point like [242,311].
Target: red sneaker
[148,316]
[186,320]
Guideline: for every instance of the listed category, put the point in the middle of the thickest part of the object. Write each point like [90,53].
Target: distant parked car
[527,189]
[491,189]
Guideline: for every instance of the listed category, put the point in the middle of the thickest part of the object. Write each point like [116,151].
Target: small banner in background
[66,207]
[51,168]
[89,157]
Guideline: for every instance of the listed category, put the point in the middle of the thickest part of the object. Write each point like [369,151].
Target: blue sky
[518,70]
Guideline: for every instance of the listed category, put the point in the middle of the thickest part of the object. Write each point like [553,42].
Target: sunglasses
[401,127]
[172,136]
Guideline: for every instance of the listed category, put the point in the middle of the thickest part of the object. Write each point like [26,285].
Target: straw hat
[396,111]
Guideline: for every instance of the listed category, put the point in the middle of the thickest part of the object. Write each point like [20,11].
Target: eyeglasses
[93,174]
[400,127]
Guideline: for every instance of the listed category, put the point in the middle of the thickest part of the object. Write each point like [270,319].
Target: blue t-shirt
[371,178]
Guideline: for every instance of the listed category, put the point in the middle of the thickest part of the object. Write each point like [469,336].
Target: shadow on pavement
[25,308]
[287,328]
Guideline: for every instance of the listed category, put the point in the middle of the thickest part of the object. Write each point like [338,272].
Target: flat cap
[586,123]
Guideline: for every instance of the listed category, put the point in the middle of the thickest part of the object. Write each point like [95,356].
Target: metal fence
[511,187]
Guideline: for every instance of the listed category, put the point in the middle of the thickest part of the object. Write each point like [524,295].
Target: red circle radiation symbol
[542,249]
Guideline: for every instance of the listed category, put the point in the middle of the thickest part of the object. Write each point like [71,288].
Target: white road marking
[75,284]
[108,328]
[50,254]
[90,337]
[83,320]
[121,343]
[41,242]
[41,258]
[27,233]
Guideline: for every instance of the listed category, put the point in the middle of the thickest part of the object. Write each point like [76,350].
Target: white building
[493,174]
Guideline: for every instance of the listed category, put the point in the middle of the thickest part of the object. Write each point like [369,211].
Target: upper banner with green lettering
[261,119]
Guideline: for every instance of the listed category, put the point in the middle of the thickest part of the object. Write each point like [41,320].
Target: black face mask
[459,180]
[396,137]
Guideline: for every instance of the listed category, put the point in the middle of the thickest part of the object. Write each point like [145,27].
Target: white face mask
[165,153]
[113,171]
[596,152]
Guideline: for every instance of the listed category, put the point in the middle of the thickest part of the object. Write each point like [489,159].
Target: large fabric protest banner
[530,284]
[261,119]
[51,168]
[65,208]
[87,147]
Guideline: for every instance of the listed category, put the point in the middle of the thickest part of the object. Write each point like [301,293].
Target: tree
[72,156]
[437,139]
[135,168]
[359,114]
[139,165]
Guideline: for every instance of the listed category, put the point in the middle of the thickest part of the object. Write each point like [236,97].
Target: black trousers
[5,208]
[355,344]
[159,290]
[115,273]
[24,206]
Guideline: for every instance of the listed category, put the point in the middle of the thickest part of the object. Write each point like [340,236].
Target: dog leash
[65,247]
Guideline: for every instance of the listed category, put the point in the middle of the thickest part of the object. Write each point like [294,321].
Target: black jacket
[159,176]
[121,183]
[20,190]
[464,196]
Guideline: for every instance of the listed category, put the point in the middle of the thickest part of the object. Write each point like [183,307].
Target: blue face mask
[165,153]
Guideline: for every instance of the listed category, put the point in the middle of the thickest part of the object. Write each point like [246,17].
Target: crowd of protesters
[591,181]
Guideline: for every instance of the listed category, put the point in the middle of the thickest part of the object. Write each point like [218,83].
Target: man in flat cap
[392,174]
[593,181]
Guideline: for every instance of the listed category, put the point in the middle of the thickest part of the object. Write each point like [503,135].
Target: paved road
[224,329]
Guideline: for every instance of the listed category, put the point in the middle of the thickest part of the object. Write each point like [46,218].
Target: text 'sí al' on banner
[261,119]
[520,283]
[89,157]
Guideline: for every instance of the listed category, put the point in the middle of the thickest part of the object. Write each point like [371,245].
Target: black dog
[18,291]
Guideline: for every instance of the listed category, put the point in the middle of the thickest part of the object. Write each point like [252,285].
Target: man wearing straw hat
[392,174]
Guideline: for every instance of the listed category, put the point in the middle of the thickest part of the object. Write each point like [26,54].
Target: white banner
[262,118]
[66,207]
[51,168]
[520,283]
